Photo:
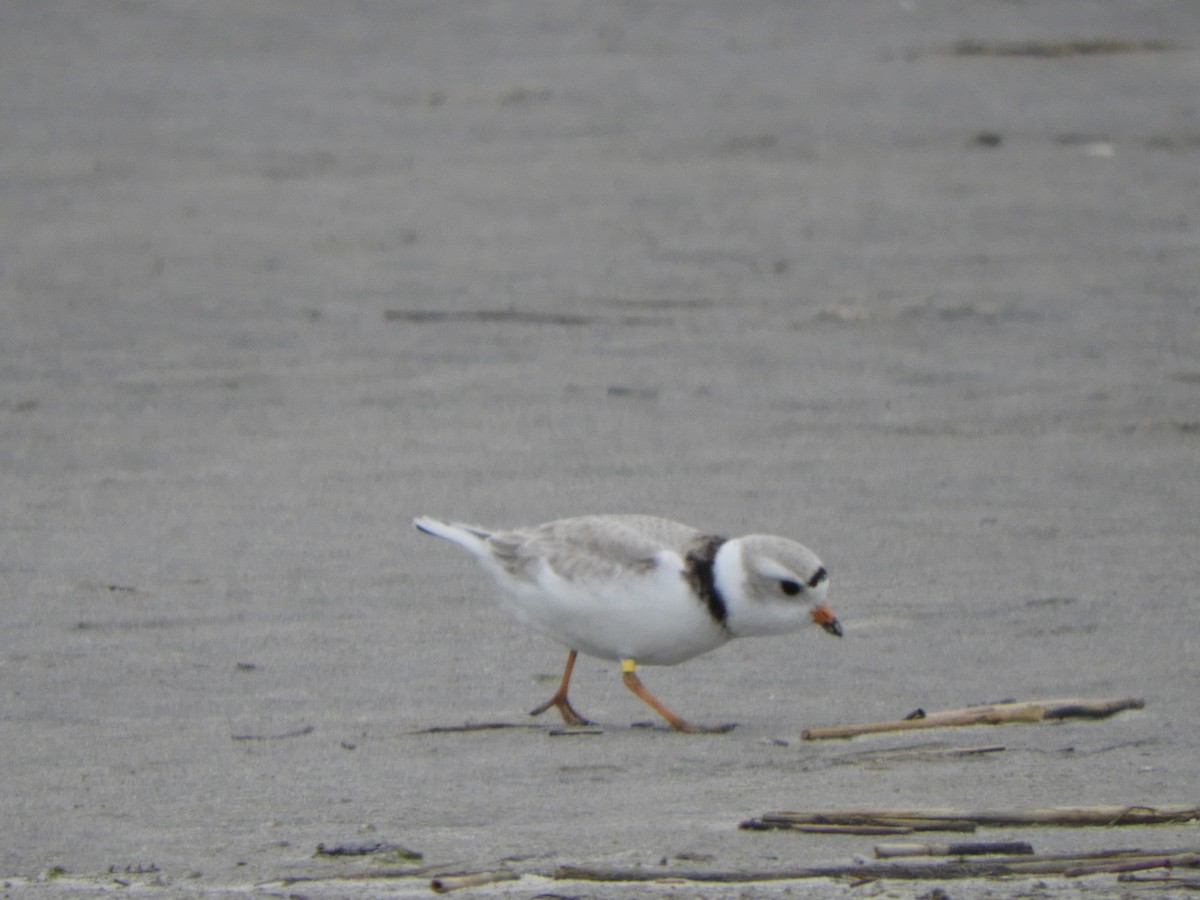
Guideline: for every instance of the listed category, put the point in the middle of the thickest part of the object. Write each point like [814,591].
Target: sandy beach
[915,283]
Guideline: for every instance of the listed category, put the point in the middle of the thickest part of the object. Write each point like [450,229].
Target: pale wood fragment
[992,714]
[955,819]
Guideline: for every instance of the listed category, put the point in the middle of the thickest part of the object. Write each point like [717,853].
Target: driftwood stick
[961,868]
[444,884]
[1061,863]
[364,875]
[895,824]
[993,714]
[976,848]
[1191,860]
[1105,816]
[954,819]
[919,871]
[853,829]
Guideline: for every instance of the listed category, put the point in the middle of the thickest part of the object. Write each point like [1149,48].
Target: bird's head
[779,585]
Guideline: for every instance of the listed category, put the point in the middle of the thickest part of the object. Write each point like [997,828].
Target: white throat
[729,578]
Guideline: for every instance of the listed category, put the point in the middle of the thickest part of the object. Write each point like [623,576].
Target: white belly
[652,618]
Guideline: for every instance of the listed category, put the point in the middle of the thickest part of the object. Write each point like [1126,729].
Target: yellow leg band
[627,666]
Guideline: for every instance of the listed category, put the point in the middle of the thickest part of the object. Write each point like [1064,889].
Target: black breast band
[699,575]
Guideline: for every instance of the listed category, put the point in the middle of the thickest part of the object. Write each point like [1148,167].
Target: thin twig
[443,884]
[954,819]
[973,848]
[1190,860]
[959,868]
[993,714]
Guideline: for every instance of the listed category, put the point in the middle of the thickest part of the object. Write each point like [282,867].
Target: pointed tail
[469,537]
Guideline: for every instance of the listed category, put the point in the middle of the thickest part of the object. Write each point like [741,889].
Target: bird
[644,590]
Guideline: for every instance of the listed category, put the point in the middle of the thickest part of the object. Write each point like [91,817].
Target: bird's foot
[565,709]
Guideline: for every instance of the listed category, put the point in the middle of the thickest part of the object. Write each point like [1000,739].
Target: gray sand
[277,276]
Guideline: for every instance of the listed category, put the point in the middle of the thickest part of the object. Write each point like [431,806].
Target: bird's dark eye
[791,588]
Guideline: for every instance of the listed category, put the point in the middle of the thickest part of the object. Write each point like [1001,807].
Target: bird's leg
[560,700]
[629,676]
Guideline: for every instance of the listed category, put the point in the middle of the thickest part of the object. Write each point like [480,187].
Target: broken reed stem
[954,819]
[444,884]
[1130,860]
[365,875]
[596,873]
[993,714]
[853,829]
[1136,861]
[1137,865]
[976,848]
[854,824]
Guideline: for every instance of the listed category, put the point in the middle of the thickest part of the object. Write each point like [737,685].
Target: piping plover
[640,589]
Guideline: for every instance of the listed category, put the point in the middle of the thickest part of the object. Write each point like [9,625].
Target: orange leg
[629,676]
[560,700]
